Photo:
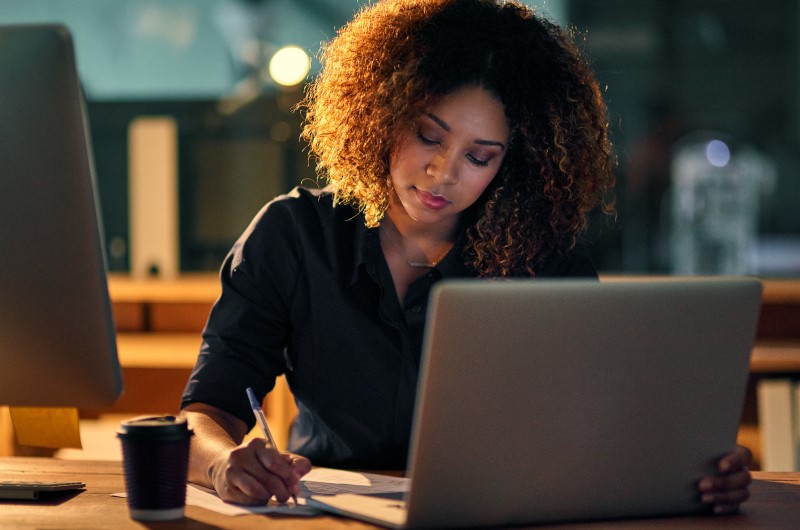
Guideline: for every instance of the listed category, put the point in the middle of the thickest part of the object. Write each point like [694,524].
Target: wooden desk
[775,504]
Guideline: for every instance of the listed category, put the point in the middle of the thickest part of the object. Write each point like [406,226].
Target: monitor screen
[57,341]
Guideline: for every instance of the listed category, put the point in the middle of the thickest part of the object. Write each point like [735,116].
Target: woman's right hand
[243,472]
[254,471]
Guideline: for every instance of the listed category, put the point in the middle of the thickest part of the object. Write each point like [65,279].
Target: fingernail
[707,498]
[705,484]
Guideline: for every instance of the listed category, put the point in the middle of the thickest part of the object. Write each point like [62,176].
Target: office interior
[703,110]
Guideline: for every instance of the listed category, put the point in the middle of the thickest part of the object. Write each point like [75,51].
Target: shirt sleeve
[245,337]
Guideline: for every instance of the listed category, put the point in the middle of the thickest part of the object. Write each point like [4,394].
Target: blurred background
[702,95]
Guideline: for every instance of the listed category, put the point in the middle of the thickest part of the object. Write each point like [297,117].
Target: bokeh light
[718,153]
[289,66]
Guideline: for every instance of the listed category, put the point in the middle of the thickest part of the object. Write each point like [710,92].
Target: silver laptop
[550,401]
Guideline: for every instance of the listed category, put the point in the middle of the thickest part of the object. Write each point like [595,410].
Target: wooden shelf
[200,287]
[149,305]
[776,356]
[158,350]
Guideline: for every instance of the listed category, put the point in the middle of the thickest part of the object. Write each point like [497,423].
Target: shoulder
[298,204]
[300,208]
[274,228]
[296,219]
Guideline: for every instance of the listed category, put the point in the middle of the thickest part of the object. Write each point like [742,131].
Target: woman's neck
[412,249]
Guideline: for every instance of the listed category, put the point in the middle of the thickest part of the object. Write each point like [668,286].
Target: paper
[320,481]
[357,495]
[369,508]
[46,427]
[204,498]
[327,481]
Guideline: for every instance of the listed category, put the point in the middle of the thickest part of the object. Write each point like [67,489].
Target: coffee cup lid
[155,427]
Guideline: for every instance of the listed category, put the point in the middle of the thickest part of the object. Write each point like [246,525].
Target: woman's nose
[443,167]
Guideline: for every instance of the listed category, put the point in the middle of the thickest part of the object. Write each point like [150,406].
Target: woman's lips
[429,200]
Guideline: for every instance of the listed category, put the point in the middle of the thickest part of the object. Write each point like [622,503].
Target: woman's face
[446,162]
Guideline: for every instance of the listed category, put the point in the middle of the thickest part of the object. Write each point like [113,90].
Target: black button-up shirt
[306,292]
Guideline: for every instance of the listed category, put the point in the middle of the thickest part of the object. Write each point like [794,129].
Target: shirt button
[416,309]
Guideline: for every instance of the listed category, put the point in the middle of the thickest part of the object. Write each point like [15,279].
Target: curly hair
[397,58]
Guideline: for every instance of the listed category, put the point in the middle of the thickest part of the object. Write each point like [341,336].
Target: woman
[458,138]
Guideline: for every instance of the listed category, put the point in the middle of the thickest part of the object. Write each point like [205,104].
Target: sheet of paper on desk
[327,481]
[196,496]
[320,481]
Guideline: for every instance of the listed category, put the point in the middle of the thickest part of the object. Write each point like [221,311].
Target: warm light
[289,66]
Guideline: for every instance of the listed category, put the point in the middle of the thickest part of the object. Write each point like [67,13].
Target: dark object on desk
[34,490]
[551,401]
[155,453]
[57,346]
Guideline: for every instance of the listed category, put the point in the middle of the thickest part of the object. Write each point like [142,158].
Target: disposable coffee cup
[155,456]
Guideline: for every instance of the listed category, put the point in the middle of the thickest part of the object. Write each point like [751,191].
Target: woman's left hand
[727,490]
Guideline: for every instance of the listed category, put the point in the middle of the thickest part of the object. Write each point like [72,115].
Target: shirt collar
[452,266]
[366,247]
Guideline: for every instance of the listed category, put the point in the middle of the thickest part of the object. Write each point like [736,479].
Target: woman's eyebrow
[446,127]
[438,120]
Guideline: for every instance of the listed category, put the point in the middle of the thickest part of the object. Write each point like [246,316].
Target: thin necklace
[415,264]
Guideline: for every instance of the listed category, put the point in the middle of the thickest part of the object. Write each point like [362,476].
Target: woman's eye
[477,161]
[425,140]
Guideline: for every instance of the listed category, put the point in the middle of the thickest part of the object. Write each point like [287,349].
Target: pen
[260,418]
[262,422]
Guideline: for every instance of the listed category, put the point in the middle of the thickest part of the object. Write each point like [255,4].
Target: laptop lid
[546,401]
[552,401]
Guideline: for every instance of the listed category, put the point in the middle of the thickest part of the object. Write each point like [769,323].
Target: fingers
[731,482]
[725,502]
[276,472]
[300,464]
[255,471]
[729,489]
[736,460]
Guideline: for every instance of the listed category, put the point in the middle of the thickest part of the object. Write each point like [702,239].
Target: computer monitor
[57,341]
